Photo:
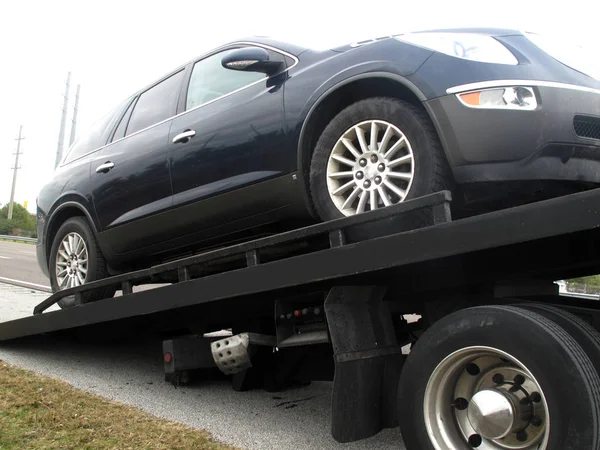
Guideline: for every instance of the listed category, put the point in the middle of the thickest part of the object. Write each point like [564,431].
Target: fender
[70,204]
[70,200]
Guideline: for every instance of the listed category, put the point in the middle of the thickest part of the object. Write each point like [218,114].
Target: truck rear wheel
[585,334]
[499,377]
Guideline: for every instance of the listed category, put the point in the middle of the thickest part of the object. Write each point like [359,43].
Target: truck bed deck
[547,240]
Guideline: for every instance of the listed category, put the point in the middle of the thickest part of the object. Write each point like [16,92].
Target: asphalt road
[19,263]
[131,372]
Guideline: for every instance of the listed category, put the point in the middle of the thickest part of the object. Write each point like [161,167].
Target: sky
[114,48]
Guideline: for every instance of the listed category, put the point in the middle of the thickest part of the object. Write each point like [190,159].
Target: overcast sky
[114,48]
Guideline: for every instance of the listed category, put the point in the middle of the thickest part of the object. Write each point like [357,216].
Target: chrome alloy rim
[71,261]
[483,398]
[371,166]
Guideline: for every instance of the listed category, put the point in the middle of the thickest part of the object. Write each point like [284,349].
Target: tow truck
[453,329]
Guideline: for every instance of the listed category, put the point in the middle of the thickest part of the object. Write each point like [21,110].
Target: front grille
[587,127]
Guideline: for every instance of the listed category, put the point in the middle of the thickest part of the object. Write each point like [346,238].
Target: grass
[42,413]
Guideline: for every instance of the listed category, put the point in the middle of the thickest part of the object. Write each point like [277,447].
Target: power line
[15,168]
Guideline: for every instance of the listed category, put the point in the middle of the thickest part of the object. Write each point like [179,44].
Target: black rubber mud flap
[368,362]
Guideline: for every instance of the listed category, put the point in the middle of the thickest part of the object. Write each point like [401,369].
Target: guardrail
[580,295]
[17,238]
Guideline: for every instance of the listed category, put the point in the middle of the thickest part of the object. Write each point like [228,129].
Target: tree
[6,226]
[21,218]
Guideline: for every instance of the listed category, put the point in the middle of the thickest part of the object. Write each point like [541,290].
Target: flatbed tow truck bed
[355,286]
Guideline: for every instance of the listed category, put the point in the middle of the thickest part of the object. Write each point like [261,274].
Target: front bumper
[41,257]
[508,145]
[40,249]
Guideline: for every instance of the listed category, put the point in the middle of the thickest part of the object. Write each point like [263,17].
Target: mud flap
[368,361]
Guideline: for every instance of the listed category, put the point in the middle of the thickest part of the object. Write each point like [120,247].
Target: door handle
[103,168]
[182,138]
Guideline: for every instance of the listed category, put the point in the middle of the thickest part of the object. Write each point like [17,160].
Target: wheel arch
[338,97]
[64,212]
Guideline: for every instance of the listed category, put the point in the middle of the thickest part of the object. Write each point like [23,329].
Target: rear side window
[120,131]
[156,104]
[94,138]
[210,80]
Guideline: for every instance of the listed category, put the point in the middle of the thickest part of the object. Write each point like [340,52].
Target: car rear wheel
[75,259]
[375,153]
[499,377]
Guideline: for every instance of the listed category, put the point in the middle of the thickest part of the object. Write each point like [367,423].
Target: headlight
[569,54]
[476,47]
[514,97]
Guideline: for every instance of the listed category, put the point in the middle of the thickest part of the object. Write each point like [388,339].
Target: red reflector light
[168,357]
[297,313]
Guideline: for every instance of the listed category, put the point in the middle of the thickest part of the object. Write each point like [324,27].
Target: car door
[233,165]
[130,176]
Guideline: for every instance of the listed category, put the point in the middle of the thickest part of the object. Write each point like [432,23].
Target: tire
[96,264]
[569,386]
[585,334]
[431,172]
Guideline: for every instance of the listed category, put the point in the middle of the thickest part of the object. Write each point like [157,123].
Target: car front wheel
[375,153]
[75,259]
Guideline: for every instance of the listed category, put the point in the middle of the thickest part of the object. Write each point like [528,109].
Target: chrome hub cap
[371,166]
[481,397]
[491,414]
[71,261]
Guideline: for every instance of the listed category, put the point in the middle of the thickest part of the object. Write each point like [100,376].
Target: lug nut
[536,421]
[473,369]
[363,162]
[374,158]
[475,440]
[498,378]
[381,167]
[377,179]
[461,404]
[367,184]
[536,397]
[519,380]
[521,436]
[360,175]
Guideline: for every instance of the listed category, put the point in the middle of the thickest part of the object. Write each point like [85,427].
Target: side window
[211,80]
[156,104]
[92,138]
[120,131]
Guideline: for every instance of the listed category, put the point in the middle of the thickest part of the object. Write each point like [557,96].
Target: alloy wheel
[371,166]
[71,261]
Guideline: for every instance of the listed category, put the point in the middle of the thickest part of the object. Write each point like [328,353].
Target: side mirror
[251,59]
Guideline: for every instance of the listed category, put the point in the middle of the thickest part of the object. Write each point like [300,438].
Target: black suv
[258,136]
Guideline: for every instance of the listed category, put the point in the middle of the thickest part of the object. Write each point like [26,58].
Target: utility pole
[63,119]
[74,120]
[14,183]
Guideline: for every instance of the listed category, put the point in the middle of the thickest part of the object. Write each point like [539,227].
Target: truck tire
[537,379]
[408,160]
[76,259]
[585,334]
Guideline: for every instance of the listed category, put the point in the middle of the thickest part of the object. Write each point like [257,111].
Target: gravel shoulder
[132,373]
